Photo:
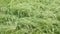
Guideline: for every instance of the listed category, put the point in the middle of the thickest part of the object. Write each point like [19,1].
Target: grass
[29,16]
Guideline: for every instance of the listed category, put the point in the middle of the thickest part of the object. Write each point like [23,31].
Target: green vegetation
[29,16]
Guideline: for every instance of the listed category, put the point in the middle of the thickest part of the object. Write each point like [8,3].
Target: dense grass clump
[29,16]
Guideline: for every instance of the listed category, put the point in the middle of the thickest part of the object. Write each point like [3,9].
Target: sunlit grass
[29,16]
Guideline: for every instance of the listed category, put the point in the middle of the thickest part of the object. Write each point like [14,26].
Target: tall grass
[29,16]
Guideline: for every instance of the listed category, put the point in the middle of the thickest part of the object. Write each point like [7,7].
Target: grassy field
[29,16]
